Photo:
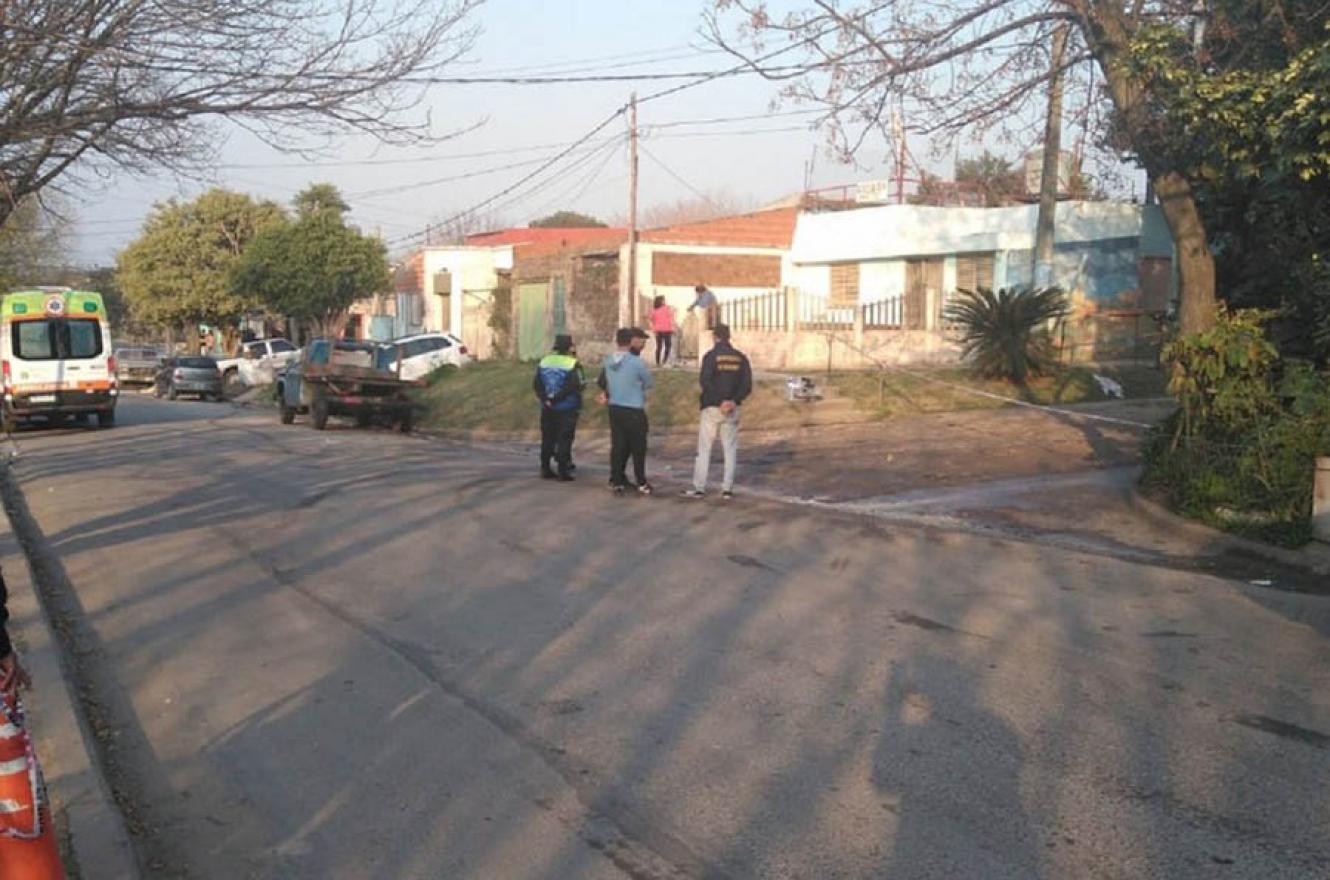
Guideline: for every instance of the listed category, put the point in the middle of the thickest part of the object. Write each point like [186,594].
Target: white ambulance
[55,357]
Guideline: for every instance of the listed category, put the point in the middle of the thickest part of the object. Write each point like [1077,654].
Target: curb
[1313,557]
[94,840]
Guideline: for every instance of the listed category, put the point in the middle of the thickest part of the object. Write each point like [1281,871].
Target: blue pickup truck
[340,377]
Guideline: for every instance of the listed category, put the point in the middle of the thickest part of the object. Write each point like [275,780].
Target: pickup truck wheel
[288,414]
[318,411]
[106,419]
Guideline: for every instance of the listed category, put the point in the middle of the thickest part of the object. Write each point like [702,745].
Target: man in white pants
[727,380]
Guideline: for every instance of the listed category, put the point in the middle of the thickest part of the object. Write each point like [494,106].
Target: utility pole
[1048,182]
[898,132]
[628,316]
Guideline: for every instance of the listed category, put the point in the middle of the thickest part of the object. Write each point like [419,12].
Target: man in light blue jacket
[626,379]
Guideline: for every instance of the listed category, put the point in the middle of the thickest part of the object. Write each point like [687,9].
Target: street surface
[358,655]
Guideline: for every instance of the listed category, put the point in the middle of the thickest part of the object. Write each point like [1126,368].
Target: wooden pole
[632,211]
[1048,182]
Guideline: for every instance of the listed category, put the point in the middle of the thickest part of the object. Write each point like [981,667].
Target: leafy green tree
[992,176]
[177,273]
[567,220]
[1256,110]
[314,268]
[319,197]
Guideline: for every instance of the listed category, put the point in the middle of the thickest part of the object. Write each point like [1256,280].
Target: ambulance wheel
[106,419]
[318,411]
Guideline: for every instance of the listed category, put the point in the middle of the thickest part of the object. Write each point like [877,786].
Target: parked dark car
[137,366]
[189,375]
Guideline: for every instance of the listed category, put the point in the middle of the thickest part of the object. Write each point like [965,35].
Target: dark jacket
[559,382]
[726,375]
[5,647]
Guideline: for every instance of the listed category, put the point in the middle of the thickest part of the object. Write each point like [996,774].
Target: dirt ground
[865,460]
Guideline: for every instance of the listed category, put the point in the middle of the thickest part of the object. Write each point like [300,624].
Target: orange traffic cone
[28,849]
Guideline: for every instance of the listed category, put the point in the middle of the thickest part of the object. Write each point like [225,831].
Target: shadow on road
[389,658]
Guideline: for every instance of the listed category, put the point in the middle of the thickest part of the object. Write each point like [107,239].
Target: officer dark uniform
[558,384]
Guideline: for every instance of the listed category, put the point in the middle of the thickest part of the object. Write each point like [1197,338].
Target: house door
[923,292]
[532,322]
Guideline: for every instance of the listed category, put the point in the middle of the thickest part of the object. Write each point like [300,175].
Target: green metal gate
[533,337]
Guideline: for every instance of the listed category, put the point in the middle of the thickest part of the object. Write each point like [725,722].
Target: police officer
[558,385]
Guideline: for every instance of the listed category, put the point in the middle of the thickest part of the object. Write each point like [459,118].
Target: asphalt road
[353,654]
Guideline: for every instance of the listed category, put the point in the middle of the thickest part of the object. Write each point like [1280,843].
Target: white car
[420,355]
[259,361]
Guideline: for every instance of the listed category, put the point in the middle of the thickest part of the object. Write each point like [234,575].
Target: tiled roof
[769,229]
[561,237]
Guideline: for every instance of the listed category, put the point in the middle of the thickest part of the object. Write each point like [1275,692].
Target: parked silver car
[189,375]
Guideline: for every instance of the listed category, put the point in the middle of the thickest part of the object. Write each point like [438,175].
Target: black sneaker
[566,477]
[727,494]
[692,493]
[547,474]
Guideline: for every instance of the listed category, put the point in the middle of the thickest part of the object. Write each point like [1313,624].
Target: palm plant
[1005,333]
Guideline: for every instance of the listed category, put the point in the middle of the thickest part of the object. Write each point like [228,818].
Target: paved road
[358,655]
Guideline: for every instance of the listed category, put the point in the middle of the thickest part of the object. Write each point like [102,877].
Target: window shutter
[844,286]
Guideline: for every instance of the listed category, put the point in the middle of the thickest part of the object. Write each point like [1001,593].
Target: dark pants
[558,428]
[663,343]
[628,436]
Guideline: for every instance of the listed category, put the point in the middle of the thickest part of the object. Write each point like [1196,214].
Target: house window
[844,286]
[974,271]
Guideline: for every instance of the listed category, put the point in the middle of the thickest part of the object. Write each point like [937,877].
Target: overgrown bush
[1239,452]
[1005,334]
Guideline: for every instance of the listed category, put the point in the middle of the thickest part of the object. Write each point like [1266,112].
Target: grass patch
[884,394]
[497,396]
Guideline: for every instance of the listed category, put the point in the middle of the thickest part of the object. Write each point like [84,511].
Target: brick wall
[670,269]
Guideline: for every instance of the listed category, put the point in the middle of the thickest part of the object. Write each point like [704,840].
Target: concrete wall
[474,273]
[808,351]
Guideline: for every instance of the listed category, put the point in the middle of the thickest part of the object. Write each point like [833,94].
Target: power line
[605,123]
[484,154]
[392,190]
[701,79]
[671,172]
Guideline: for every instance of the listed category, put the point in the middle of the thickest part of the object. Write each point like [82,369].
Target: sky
[758,156]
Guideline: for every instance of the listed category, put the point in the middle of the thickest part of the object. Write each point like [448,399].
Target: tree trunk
[1108,33]
[1196,265]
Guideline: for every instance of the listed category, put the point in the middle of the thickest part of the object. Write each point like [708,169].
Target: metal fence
[771,311]
[885,313]
[765,311]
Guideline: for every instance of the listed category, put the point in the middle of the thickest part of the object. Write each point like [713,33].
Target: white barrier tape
[924,377]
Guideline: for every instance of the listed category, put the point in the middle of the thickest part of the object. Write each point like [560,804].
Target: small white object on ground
[1109,387]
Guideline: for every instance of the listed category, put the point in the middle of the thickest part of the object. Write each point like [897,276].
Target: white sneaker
[693,493]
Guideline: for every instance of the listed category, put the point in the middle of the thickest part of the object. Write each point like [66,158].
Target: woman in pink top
[662,324]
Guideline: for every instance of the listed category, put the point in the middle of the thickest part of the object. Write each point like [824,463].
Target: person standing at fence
[710,317]
[558,385]
[726,380]
[624,382]
[662,324]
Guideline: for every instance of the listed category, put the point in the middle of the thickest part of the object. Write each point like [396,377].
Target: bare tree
[975,68]
[91,85]
[708,206]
